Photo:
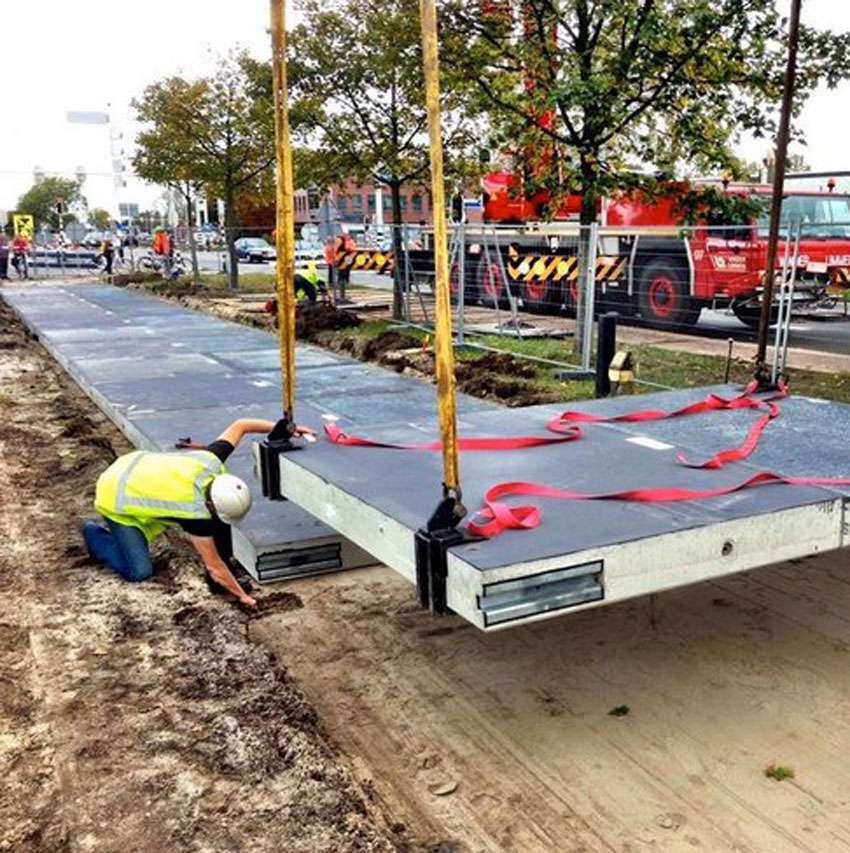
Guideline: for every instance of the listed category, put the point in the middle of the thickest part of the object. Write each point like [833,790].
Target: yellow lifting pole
[285,219]
[443,351]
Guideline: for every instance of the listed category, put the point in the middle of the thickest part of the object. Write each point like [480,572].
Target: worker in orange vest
[342,243]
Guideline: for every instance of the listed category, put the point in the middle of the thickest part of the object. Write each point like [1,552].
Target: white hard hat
[230,497]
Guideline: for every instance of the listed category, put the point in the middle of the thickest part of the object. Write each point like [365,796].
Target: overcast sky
[98,54]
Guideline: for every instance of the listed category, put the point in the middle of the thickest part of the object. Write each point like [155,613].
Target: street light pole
[762,374]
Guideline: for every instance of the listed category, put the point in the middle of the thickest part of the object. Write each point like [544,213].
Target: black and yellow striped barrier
[562,267]
[372,260]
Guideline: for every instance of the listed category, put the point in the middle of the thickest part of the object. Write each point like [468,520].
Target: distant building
[359,204]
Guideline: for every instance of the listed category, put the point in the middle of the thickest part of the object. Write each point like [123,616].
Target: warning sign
[24,225]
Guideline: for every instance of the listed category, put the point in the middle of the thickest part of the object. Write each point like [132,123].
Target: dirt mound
[179,289]
[388,341]
[500,376]
[311,322]
[496,362]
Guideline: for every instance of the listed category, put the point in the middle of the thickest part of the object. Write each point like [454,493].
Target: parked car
[254,250]
[93,239]
[308,250]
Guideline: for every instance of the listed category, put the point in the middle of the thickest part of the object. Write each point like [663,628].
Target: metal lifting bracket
[266,452]
[432,544]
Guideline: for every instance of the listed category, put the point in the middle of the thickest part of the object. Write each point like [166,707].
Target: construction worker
[343,243]
[308,284]
[142,493]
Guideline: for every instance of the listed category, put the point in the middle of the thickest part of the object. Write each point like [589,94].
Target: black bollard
[606,346]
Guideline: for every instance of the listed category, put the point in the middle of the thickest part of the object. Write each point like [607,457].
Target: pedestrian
[107,249]
[4,258]
[143,493]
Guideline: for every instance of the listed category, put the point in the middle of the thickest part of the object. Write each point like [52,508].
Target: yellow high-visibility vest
[143,489]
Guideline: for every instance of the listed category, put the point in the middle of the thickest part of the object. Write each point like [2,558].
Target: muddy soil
[141,717]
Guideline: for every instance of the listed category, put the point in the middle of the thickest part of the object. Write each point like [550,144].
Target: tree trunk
[230,240]
[398,277]
[193,247]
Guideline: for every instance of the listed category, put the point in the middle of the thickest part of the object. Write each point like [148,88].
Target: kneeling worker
[142,493]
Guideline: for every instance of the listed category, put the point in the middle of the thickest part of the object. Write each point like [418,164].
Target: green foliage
[779,772]
[593,93]
[40,200]
[99,219]
[715,206]
[357,88]
[213,133]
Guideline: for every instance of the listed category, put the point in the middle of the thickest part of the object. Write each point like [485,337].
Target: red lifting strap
[570,433]
[712,403]
[497,517]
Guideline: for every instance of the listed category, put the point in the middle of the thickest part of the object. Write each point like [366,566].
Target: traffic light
[60,206]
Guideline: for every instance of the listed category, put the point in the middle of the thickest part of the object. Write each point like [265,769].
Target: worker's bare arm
[240,427]
[219,572]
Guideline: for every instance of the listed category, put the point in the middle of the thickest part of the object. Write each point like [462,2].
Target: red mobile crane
[648,265]
[668,275]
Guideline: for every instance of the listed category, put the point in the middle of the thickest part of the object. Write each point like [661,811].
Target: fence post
[584,324]
[606,346]
[405,248]
[786,303]
[461,280]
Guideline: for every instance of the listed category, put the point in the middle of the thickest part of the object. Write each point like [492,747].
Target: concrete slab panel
[185,392]
[164,366]
[268,360]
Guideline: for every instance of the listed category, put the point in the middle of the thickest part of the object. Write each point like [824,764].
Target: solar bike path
[161,372]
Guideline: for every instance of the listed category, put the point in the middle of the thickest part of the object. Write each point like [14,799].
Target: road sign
[24,225]
[87,118]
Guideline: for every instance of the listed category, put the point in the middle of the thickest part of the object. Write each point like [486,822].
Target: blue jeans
[122,547]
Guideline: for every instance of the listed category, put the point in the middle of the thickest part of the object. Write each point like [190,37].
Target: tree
[597,93]
[210,133]
[40,201]
[165,153]
[99,219]
[357,89]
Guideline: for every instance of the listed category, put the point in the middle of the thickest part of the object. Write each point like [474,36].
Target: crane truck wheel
[537,296]
[664,300]
[749,313]
[570,297]
[492,288]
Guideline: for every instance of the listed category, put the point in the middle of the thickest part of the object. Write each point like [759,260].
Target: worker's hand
[305,432]
[248,602]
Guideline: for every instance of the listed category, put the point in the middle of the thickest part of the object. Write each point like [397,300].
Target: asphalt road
[829,333]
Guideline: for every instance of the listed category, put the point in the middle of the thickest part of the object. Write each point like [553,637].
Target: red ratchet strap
[497,517]
[570,433]
[712,403]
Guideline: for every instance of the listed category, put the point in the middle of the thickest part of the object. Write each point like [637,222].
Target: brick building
[359,204]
